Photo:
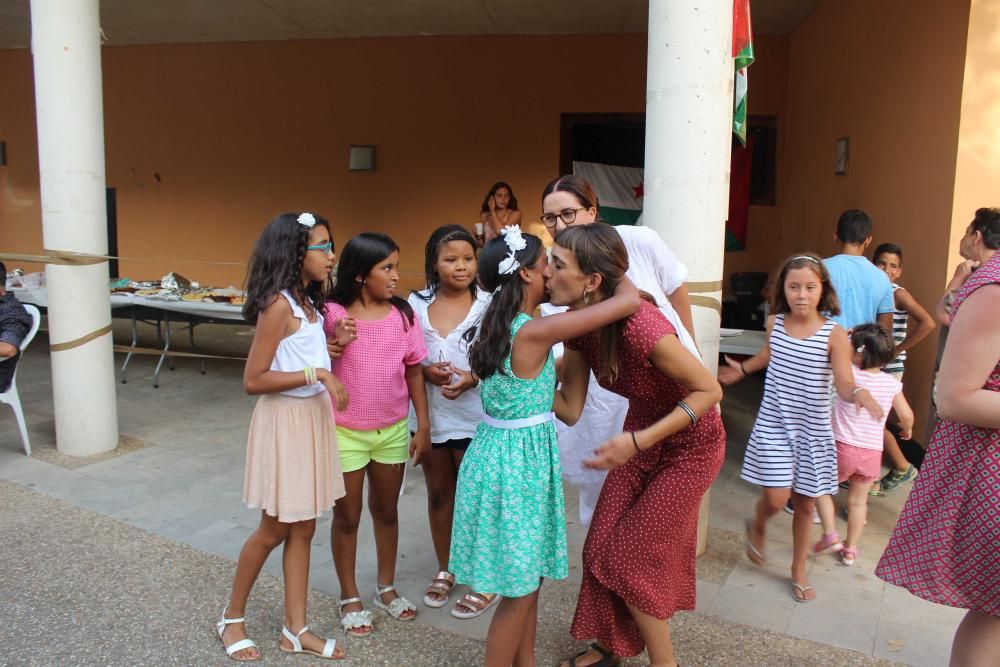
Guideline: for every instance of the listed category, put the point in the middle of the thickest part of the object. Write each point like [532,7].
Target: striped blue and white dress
[792,442]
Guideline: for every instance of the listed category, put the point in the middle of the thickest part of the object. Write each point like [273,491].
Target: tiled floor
[185,484]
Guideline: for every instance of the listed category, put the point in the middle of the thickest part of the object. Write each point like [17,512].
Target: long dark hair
[493,345]
[439,237]
[828,302]
[276,264]
[598,248]
[357,260]
[512,206]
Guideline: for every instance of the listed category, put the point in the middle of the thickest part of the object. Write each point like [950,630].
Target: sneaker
[845,485]
[894,479]
[790,509]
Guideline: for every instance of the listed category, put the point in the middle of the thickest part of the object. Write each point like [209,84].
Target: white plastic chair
[10,396]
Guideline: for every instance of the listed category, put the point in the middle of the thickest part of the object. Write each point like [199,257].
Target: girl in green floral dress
[509,528]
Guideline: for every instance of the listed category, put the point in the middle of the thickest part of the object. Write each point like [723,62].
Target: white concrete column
[66,48]
[689,109]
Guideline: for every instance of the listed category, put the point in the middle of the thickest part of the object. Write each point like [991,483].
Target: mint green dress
[509,526]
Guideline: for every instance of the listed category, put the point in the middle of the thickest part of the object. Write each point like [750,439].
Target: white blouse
[305,347]
[450,419]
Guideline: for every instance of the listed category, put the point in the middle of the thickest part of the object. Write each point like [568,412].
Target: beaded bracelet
[687,408]
[310,374]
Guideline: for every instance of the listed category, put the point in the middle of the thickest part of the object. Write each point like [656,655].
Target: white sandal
[328,648]
[237,646]
[442,584]
[479,604]
[397,607]
[353,620]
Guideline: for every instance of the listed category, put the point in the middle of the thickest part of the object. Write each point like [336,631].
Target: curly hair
[493,345]
[357,260]
[276,264]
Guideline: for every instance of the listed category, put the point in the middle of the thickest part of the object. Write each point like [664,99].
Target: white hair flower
[508,265]
[512,237]
[307,219]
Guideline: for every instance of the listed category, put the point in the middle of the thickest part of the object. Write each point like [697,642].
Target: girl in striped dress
[791,448]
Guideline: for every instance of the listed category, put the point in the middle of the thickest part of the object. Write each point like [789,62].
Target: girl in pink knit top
[382,373]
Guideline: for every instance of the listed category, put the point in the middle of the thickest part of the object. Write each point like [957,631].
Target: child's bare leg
[893,452]
[269,534]
[525,656]
[656,633]
[440,472]
[295,564]
[503,640]
[344,539]
[802,528]
[772,501]
[976,639]
[827,515]
[857,511]
[384,482]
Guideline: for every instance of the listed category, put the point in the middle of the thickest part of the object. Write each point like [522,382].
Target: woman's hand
[613,453]
[420,445]
[463,383]
[335,387]
[437,374]
[864,399]
[492,203]
[732,372]
[345,331]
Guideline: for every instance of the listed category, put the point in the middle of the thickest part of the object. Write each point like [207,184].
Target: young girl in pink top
[859,437]
[381,371]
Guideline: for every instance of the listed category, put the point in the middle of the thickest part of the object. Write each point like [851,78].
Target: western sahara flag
[742,59]
[619,190]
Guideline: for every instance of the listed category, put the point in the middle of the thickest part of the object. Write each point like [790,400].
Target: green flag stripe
[620,216]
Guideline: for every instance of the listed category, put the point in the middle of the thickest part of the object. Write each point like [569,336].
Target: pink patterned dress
[946,545]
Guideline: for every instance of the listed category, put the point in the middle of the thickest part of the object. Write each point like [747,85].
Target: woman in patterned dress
[945,546]
[509,526]
[639,557]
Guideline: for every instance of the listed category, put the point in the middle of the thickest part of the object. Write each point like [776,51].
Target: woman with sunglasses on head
[569,201]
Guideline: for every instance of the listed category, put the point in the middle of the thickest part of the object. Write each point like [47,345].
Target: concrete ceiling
[131,22]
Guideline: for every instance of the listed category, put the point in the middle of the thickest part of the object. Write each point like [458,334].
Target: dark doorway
[112,204]
[609,138]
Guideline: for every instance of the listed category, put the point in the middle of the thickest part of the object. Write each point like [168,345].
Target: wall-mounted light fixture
[361,157]
[3,153]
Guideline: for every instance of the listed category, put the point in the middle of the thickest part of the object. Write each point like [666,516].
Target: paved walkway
[126,559]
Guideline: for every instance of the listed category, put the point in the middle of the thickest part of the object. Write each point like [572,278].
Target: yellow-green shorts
[383,445]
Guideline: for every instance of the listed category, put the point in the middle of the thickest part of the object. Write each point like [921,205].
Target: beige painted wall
[889,76]
[206,142]
[977,174]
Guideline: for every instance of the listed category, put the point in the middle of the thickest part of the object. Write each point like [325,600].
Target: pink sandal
[829,544]
[847,556]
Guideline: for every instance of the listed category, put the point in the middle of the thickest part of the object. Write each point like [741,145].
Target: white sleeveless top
[305,347]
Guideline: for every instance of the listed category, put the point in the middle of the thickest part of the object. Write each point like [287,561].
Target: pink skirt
[293,464]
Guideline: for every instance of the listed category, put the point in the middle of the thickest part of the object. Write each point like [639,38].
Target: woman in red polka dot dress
[639,557]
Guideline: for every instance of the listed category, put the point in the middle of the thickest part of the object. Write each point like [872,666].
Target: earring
[586,298]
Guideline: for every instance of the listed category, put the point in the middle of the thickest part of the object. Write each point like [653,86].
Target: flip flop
[756,557]
[802,590]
